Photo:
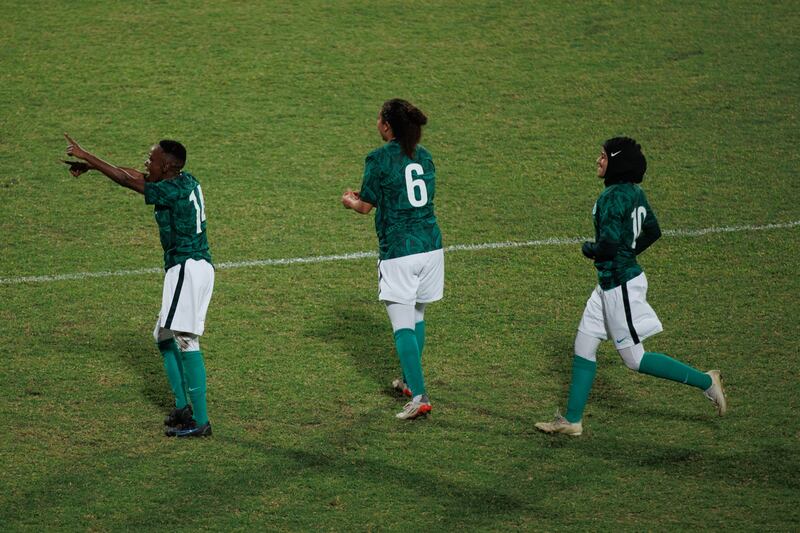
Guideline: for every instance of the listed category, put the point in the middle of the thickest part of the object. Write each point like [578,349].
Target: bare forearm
[352,200]
[361,206]
[133,172]
[130,178]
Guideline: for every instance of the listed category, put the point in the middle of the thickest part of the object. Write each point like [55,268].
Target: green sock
[419,331]
[664,366]
[583,372]
[174,369]
[196,381]
[405,340]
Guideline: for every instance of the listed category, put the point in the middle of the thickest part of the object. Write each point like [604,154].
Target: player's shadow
[481,504]
[712,463]
[364,334]
[139,352]
[280,469]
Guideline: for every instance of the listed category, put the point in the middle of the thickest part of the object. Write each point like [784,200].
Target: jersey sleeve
[162,193]
[651,231]
[371,183]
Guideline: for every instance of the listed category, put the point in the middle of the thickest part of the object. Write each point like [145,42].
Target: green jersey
[402,190]
[623,218]
[180,212]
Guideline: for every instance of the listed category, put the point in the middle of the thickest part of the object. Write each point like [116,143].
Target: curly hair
[406,121]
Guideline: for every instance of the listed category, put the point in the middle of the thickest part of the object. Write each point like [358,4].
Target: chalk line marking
[361,255]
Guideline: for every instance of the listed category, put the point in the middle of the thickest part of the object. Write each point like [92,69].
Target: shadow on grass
[137,349]
[463,503]
[356,327]
[775,466]
[307,485]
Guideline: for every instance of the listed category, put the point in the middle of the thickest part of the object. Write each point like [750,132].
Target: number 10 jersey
[622,216]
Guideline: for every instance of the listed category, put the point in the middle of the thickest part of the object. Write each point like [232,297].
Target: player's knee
[187,342]
[419,312]
[400,315]
[586,346]
[631,363]
[632,356]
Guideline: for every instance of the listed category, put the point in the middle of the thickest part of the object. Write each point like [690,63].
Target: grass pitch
[276,104]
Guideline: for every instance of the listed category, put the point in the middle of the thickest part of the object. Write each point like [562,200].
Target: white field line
[361,255]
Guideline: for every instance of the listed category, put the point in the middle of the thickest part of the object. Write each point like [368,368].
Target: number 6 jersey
[402,190]
[180,212]
[623,217]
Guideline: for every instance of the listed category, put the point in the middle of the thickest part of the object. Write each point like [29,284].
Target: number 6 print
[412,184]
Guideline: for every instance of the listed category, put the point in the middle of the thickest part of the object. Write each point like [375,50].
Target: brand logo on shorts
[618,341]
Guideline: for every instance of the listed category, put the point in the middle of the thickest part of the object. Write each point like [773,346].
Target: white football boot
[561,425]
[716,393]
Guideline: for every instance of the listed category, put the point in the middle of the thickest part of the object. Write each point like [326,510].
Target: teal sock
[664,366]
[583,372]
[405,340]
[174,369]
[419,331]
[196,381]
[179,362]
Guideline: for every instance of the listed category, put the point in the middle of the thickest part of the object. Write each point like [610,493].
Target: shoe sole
[194,435]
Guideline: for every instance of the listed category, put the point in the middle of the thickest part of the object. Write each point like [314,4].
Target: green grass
[277,104]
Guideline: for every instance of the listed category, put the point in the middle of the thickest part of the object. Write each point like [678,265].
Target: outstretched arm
[352,200]
[127,177]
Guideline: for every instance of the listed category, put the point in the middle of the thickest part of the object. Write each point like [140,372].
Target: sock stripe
[628,317]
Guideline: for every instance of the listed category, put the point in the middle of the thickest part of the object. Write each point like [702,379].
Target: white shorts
[186,295]
[621,314]
[412,279]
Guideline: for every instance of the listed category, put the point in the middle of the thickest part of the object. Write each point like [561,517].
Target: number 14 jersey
[180,212]
[402,190]
[622,216]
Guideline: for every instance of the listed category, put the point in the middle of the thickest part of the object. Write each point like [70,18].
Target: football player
[400,182]
[625,226]
[189,280]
